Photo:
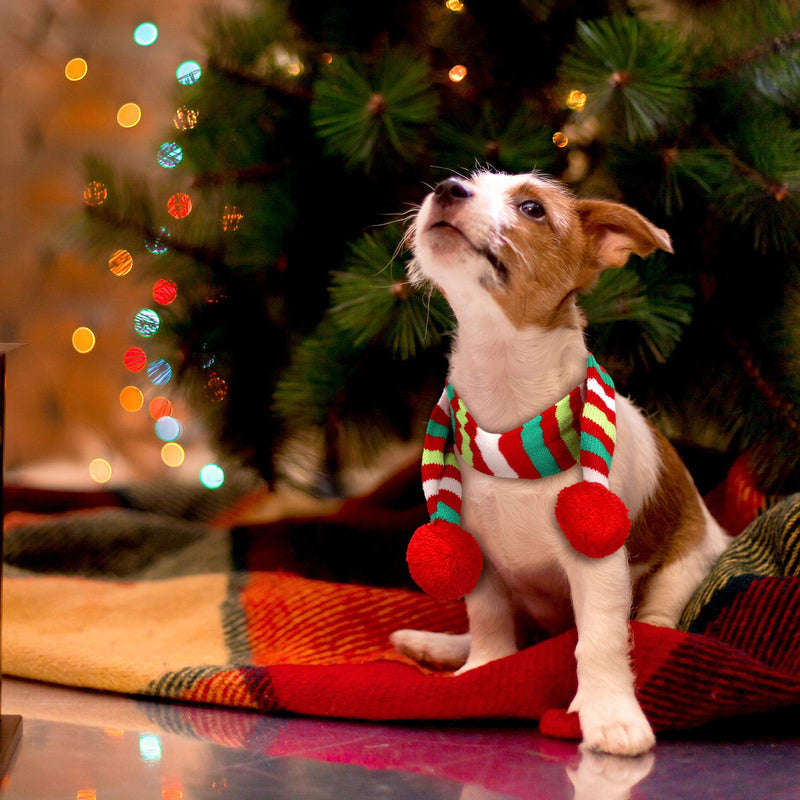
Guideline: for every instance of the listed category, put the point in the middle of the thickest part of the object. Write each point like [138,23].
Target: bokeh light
[172,454]
[170,154]
[164,292]
[95,194]
[76,69]
[216,388]
[146,322]
[188,73]
[179,205]
[157,245]
[160,407]
[145,34]
[149,747]
[121,262]
[455,5]
[129,115]
[159,372]
[168,428]
[212,476]
[457,73]
[576,100]
[131,398]
[83,339]
[100,470]
[560,139]
[185,118]
[134,359]
[231,217]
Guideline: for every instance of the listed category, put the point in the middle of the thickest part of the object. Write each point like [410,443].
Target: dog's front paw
[614,725]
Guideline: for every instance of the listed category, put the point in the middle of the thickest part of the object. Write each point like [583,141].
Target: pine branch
[775,46]
[374,303]
[653,305]
[638,70]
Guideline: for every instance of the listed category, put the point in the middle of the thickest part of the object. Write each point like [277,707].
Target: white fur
[506,376]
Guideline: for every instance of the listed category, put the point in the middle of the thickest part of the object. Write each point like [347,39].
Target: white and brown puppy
[511,253]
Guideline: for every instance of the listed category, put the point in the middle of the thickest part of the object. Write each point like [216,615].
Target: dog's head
[524,243]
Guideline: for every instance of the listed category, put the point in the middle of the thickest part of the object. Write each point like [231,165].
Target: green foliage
[643,303]
[360,112]
[521,145]
[373,300]
[319,122]
[622,62]
[761,193]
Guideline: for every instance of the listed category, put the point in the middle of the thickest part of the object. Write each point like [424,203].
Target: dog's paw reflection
[600,775]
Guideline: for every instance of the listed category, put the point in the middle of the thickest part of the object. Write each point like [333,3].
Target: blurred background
[63,408]
[204,210]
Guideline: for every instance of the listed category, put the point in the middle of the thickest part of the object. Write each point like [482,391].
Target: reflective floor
[80,745]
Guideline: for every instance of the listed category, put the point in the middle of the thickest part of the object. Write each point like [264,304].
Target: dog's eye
[532,209]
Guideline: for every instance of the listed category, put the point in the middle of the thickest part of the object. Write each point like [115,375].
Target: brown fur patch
[672,521]
[547,262]
[543,258]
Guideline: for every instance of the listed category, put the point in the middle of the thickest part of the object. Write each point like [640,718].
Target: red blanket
[171,612]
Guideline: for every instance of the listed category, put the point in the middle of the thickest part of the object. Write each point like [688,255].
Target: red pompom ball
[444,560]
[593,518]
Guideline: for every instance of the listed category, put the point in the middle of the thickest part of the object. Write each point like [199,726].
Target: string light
[159,372]
[164,292]
[121,262]
[231,217]
[95,194]
[560,139]
[100,470]
[129,115]
[576,100]
[134,359]
[145,34]
[131,398]
[212,476]
[179,205]
[170,154]
[172,454]
[185,118]
[76,69]
[168,428]
[160,407]
[457,73]
[83,340]
[146,322]
[188,73]
[157,244]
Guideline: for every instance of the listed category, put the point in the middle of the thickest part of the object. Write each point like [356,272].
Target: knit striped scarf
[580,428]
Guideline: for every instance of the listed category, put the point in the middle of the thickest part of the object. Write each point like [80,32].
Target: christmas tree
[312,130]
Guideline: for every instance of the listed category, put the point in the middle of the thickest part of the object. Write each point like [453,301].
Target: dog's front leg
[491,620]
[611,718]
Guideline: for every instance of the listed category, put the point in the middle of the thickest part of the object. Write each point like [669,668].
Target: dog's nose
[451,190]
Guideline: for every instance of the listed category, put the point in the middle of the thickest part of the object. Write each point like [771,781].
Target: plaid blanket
[149,604]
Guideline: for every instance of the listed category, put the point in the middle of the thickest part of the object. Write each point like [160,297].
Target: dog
[511,253]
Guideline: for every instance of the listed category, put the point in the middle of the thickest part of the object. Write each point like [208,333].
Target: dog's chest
[513,520]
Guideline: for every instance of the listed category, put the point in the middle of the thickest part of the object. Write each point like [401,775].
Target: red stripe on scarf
[591,427]
[594,462]
[554,442]
[510,445]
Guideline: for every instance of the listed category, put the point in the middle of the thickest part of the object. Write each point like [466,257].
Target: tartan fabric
[279,642]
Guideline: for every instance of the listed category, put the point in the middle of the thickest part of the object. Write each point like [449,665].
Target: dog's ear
[614,231]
